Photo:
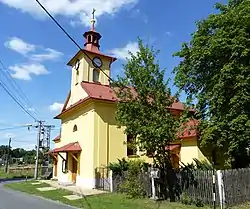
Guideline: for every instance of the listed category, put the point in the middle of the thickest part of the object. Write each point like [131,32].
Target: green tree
[3,150]
[144,98]
[215,69]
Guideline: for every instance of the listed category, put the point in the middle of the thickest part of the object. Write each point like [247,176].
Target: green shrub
[198,165]
[132,184]
[120,167]
[186,199]
[199,203]
[123,165]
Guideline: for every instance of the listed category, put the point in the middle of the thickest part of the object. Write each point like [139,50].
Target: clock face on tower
[97,62]
[77,64]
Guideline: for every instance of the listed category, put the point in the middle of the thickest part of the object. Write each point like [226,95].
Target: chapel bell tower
[89,64]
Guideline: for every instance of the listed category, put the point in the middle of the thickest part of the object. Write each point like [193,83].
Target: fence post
[153,189]
[111,188]
[221,188]
[154,173]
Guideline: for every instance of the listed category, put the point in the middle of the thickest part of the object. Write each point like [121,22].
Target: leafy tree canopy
[215,69]
[146,116]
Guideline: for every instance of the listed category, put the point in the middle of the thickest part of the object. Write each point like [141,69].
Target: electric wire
[21,141]
[17,88]
[16,100]
[14,127]
[70,37]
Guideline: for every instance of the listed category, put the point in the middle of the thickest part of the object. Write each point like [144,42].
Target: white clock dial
[97,62]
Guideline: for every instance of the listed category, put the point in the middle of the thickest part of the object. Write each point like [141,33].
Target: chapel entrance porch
[70,163]
[73,166]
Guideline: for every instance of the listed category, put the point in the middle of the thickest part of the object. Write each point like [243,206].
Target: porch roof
[172,147]
[71,147]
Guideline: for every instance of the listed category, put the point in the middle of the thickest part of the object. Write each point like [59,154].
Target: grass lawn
[103,201]
[12,175]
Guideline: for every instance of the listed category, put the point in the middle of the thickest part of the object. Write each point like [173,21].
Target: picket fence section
[236,186]
[232,186]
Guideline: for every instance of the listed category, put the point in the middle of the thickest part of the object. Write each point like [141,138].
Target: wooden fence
[232,186]
[199,186]
[236,186]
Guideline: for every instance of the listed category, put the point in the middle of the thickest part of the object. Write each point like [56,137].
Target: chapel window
[96,74]
[131,146]
[75,128]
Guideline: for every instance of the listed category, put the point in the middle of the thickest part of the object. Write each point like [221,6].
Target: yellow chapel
[89,136]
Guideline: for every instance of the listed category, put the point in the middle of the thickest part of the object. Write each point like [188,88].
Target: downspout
[107,126]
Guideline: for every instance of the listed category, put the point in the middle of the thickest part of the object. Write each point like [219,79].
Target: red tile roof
[71,147]
[99,91]
[57,138]
[105,93]
[172,147]
[190,130]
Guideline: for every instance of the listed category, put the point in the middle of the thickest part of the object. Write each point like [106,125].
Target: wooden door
[55,168]
[175,160]
[74,170]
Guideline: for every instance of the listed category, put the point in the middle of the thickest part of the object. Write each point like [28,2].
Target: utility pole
[8,156]
[39,126]
[43,141]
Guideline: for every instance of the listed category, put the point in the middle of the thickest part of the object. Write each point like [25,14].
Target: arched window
[96,75]
[77,77]
[89,39]
[75,128]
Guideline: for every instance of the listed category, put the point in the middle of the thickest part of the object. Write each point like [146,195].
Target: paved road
[10,199]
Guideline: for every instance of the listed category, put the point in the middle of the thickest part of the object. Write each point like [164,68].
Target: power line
[70,37]
[17,88]
[22,141]
[16,100]
[10,128]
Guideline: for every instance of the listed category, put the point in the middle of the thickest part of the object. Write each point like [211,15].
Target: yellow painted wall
[110,141]
[190,150]
[86,74]
[103,79]
[77,93]
[84,119]
[86,70]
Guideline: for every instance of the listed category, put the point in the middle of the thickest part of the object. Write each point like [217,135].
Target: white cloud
[56,106]
[31,51]
[79,10]
[20,46]
[122,53]
[49,54]
[25,71]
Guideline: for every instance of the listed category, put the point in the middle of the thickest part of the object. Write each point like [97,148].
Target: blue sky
[35,51]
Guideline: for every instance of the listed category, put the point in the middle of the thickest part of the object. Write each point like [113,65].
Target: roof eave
[84,50]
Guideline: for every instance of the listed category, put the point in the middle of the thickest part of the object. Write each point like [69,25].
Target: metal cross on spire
[93,13]
[93,19]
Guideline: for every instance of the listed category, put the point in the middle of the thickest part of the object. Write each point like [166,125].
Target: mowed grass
[17,174]
[103,201]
